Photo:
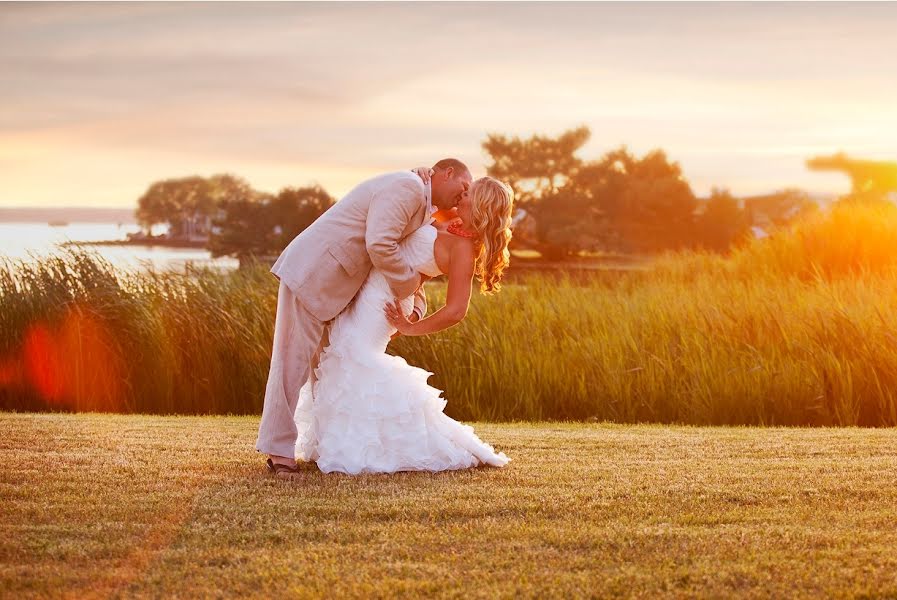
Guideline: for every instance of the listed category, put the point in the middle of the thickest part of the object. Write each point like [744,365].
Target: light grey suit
[320,272]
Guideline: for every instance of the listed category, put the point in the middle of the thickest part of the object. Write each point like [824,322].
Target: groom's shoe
[287,472]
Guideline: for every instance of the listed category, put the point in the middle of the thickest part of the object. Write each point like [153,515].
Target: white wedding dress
[372,412]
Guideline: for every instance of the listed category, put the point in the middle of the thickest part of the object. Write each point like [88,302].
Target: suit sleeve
[390,212]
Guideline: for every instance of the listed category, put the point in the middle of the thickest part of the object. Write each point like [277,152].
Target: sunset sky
[98,101]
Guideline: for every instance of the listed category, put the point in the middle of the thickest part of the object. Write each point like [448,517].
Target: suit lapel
[426,213]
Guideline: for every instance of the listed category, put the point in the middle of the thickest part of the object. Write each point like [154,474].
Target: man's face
[448,186]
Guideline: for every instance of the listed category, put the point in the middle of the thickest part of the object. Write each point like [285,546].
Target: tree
[255,225]
[188,204]
[723,222]
[619,202]
[158,204]
[297,208]
[566,224]
[870,180]
[538,169]
[642,204]
[244,228]
[185,204]
[537,166]
[228,188]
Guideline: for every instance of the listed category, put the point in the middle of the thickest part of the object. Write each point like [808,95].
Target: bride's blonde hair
[491,204]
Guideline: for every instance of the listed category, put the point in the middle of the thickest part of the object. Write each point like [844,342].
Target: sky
[97,101]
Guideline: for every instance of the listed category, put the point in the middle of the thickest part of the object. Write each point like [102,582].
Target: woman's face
[465,210]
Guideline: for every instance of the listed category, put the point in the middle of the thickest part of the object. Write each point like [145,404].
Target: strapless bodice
[419,249]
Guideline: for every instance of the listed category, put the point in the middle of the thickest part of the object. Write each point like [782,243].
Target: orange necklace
[455,228]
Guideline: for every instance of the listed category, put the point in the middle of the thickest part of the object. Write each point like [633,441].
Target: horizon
[100,100]
[823,200]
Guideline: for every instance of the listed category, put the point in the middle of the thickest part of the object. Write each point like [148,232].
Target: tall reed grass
[76,334]
[795,329]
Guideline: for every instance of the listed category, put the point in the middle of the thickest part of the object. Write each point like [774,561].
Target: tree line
[235,219]
[566,205]
[620,202]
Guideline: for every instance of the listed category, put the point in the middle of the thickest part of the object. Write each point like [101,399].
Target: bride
[365,411]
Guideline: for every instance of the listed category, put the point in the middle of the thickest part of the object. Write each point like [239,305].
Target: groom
[323,268]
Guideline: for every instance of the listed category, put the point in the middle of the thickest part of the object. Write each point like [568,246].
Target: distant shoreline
[76,214]
[142,242]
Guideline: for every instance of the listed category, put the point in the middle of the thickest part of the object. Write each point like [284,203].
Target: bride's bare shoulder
[463,249]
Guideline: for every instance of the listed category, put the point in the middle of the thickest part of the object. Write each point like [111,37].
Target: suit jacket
[326,264]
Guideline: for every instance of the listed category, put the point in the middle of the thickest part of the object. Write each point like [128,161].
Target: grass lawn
[100,505]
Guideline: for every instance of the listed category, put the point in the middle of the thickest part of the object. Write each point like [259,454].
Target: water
[27,241]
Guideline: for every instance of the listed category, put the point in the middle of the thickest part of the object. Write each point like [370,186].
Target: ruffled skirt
[370,412]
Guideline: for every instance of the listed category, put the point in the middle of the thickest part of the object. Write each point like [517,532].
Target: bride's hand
[397,318]
[412,318]
[424,173]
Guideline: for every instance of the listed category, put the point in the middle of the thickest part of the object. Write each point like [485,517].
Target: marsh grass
[796,329]
[79,335]
[98,506]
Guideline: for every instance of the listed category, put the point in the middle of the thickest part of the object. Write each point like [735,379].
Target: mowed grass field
[134,506]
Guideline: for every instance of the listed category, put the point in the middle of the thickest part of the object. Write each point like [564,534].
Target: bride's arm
[457,297]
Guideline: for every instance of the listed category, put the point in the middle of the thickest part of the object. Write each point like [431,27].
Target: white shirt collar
[428,193]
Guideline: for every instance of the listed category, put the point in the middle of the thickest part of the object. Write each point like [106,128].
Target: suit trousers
[298,340]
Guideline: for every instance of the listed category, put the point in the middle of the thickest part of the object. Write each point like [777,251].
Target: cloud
[298,91]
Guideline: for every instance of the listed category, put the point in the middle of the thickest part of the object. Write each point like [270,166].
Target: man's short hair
[456,165]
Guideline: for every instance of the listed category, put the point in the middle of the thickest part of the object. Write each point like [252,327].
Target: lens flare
[75,366]
[10,373]
[43,366]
